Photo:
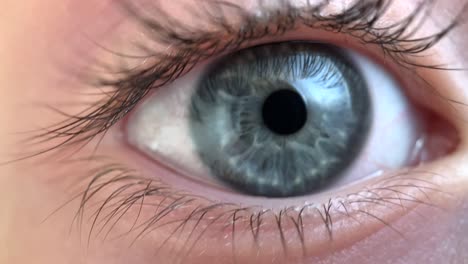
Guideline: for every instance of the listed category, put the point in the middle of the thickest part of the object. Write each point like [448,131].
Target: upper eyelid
[188,43]
[358,20]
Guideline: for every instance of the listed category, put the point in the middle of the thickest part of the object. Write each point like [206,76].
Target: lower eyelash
[150,205]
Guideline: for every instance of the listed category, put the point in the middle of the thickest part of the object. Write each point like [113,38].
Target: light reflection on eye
[210,126]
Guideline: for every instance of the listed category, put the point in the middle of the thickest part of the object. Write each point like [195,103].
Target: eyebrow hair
[223,27]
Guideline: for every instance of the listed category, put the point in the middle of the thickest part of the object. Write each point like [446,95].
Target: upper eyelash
[194,45]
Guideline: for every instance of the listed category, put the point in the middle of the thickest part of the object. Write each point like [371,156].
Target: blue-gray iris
[281,119]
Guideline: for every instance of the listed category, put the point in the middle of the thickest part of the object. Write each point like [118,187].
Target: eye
[291,132]
[282,120]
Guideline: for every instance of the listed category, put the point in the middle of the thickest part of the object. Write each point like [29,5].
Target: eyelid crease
[190,45]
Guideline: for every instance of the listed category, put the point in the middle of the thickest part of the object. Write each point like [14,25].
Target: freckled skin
[33,32]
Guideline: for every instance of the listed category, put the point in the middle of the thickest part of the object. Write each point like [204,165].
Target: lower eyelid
[174,221]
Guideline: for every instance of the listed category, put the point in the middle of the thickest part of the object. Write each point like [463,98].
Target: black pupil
[284,112]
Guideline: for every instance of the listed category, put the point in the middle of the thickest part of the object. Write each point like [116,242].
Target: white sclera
[396,126]
[160,127]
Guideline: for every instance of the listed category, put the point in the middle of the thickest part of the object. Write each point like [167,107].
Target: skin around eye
[111,205]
